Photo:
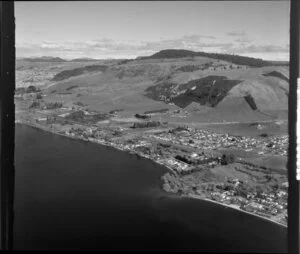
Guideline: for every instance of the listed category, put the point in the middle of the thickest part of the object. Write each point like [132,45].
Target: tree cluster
[29,89]
[79,116]
[146,124]
[35,104]
[142,116]
[78,71]
[53,105]
[227,159]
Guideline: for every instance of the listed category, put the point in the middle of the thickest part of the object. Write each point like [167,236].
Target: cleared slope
[220,97]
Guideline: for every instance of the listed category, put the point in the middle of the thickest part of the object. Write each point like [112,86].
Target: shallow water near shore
[75,195]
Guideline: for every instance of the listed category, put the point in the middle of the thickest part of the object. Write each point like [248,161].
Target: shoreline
[99,143]
[190,195]
[194,196]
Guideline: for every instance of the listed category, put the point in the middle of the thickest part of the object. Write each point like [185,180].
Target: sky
[103,29]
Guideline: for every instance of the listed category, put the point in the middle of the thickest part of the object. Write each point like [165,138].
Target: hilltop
[236,59]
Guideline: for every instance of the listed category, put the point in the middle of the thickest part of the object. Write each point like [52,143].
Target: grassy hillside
[207,89]
[179,53]
[277,74]
[84,60]
[78,71]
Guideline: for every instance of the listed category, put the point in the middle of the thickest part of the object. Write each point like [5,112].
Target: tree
[259,191]
[79,103]
[268,177]
[75,116]
[228,187]
[264,135]
[242,191]
[227,159]
[31,89]
[54,105]
[276,187]
[20,90]
[35,104]
[210,187]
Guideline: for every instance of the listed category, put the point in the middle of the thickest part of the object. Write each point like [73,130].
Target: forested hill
[240,60]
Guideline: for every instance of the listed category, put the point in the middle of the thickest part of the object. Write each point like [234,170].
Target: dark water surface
[75,195]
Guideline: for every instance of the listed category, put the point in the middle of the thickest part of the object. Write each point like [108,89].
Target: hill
[44,59]
[202,88]
[278,75]
[84,60]
[78,71]
[237,94]
[279,63]
[179,53]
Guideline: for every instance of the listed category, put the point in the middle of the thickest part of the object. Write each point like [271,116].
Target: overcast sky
[126,29]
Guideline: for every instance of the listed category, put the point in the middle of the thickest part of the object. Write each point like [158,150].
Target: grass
[78,71]
[278,75]
[157,111]
[104,91]
[179,53]
[71,87]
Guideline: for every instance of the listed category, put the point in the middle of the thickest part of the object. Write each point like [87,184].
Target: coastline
[190,195]
[194,196]
[99,143]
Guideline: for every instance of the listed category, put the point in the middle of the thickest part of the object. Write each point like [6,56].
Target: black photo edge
[7,133]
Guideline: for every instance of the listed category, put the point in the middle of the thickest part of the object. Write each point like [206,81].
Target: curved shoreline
[194,196]
[190,195]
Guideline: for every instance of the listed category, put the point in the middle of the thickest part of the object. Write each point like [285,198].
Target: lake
[75,195]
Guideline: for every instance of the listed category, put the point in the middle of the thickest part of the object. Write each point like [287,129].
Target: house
[41,119]
[63,115]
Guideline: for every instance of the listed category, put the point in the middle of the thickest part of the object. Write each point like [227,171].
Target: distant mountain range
[84,59]
[44,59]
[57,59]
[175,53]
[241,60]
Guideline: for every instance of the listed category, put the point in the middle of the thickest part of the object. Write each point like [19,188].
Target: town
[195,157]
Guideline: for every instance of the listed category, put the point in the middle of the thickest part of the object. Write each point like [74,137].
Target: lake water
[75,195]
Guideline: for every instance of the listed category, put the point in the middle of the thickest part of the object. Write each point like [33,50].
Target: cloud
[196,37]
[275,56]
[51,45]
[243,40]
[190,42]
[267,52]
[213,45]
[236,33]
[260,49]
[106,47]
